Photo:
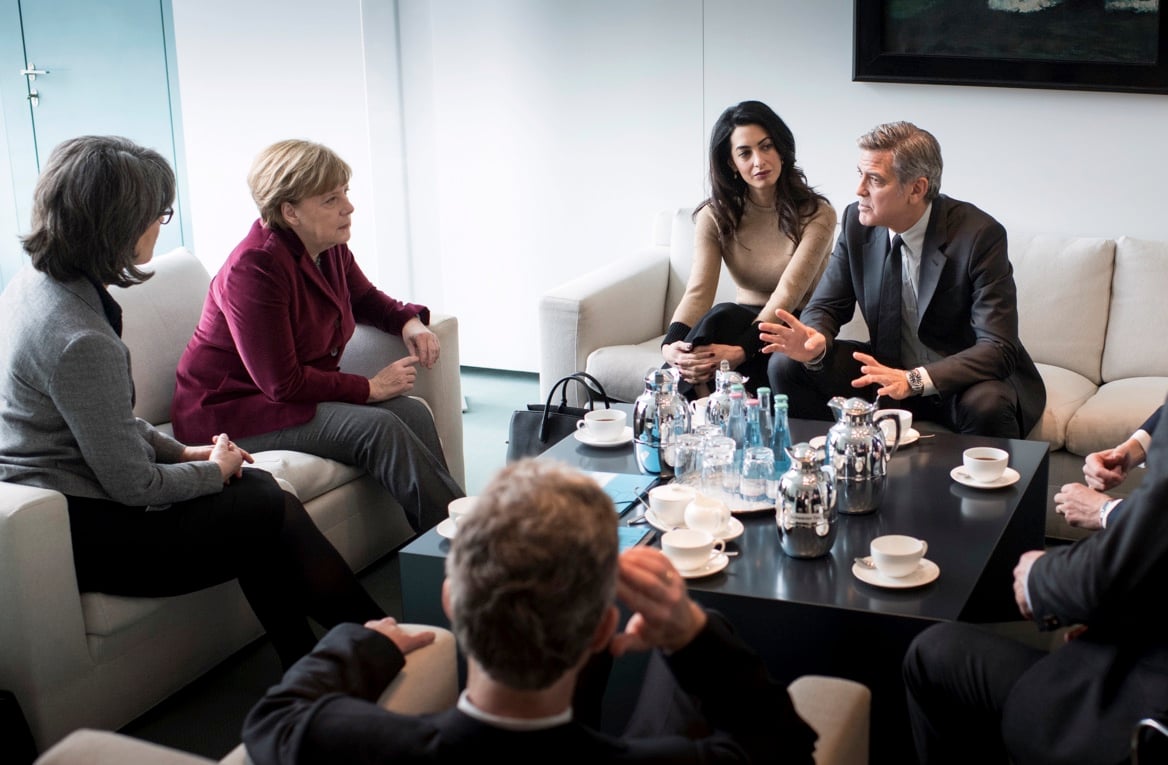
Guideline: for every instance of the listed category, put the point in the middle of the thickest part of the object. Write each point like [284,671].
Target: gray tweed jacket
[66,403]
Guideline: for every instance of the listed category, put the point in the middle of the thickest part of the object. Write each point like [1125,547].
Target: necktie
[887,340]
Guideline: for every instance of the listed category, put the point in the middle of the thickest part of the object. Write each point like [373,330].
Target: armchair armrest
[441,387]
[42,627]
[621,303]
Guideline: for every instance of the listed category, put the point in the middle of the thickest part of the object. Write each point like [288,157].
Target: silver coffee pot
[718,403]
[858,454]
[806,510]
[660,415]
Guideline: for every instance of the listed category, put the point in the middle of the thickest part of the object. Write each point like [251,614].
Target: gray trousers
[394,441]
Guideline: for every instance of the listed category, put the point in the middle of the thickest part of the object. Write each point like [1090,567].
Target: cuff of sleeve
[929,389]
[677,331]
[816,363]
[1145,440]
[1105,510]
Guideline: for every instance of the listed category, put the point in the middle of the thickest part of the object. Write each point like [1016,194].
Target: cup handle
[719,547]
[581,424]
[924,548]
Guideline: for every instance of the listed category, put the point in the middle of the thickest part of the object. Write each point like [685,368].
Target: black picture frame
[893,46]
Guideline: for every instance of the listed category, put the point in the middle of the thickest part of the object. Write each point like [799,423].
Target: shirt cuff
[1145,439]
[816,363]
[1106,509]
[929,389]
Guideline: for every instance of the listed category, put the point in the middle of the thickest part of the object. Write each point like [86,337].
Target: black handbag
[540,426]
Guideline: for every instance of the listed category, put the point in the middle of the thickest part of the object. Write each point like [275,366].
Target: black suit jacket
[1103,682]
[325,711]
[968,303]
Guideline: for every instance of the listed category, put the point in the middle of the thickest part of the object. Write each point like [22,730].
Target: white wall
[531,140]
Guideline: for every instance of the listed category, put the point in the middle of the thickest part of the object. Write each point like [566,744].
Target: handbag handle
[591,385]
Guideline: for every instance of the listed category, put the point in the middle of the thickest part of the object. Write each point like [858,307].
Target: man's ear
[919,188]
[446,599]
[605,629]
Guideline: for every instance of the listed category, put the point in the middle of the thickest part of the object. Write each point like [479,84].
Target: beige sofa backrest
[675,230]
[1064,290]
[1139,311]
[159,316]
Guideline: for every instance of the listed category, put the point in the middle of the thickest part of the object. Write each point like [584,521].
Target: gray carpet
[205,717]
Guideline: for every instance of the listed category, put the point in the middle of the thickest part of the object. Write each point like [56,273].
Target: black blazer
[967,300]
[1081,703]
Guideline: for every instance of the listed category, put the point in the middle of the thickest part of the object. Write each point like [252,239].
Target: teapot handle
[895,421]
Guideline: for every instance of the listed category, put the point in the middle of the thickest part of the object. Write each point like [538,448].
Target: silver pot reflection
[806,508]
[858,454]
[660,415]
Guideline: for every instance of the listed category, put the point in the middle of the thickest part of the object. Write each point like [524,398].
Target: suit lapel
[932,257]
[875,251]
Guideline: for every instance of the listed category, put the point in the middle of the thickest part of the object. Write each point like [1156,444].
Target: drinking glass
[758,467]
[719,479]
[687,466]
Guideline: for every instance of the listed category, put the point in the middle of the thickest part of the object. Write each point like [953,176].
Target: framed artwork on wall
[1107,45]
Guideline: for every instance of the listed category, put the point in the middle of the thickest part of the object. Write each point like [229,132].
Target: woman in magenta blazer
[265,358]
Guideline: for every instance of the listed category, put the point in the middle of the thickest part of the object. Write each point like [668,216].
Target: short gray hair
[292,171]
[532,571]
[915,153]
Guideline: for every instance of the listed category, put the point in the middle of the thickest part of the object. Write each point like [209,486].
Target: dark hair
[94,199]
[795,201]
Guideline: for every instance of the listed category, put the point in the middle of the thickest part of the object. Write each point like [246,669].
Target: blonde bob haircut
[292,171]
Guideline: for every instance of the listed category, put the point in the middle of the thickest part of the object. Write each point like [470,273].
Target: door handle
[34,97]
[31,71]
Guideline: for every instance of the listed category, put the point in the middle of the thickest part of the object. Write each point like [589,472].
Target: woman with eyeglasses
[149,516]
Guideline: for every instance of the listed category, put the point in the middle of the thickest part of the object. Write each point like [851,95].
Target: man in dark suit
[975,696]
[933,281]
[533,576]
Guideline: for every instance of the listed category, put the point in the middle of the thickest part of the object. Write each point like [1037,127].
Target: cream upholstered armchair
[610,322]
[837,709]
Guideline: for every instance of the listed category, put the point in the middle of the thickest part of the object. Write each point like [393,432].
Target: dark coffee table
[815,616]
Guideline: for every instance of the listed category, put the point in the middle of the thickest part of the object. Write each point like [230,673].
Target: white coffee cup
[707,514]
[604,424]
[985,463]
[897,555]
[668,503]
[690,549]
[460,508]
[886,425]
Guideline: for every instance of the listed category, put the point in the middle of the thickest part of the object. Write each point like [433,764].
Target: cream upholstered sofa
[1090,310]
[92,660]
[837,709]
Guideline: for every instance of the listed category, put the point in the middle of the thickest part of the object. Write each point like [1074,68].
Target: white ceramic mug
[459,508]
[707,514]
[604,424]
[985,463]
[897,555]
[668,503]
[906,419]
[690,549]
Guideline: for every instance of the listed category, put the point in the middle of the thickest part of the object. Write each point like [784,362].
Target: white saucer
[1007,478]
[583,437]
[716,564]
[910,437]
[733,529]
[925,573]
[446,528]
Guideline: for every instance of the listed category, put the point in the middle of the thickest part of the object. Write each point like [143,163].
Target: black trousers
[724,324]
[987,408]
[252,531]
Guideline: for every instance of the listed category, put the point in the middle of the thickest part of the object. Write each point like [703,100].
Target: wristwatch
[916,383]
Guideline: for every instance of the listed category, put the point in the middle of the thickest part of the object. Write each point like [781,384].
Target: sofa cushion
[312,476]
[1064,288]
[623,367]
[1137,310]
[1114,413]
[1065,393]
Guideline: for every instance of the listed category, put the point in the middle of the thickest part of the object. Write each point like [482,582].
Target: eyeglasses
[165,216]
